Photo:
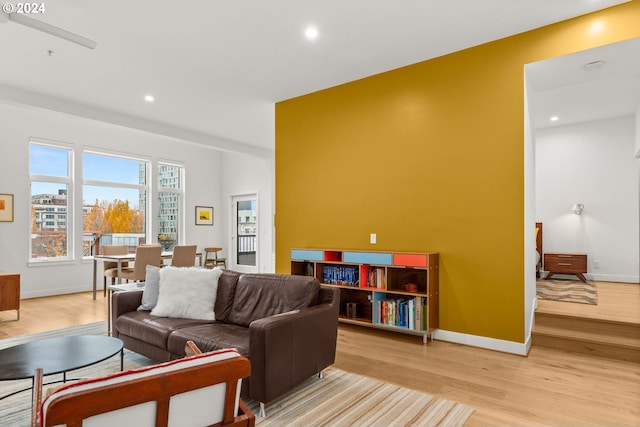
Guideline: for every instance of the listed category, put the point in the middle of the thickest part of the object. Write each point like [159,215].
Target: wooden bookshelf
[375,283]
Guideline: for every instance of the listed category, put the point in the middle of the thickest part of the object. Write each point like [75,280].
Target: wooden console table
[561,263]
[10,292]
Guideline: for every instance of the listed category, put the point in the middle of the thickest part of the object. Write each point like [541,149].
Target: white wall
[591,163]
[247,174]
[638,132]
[204,186]
[529,219]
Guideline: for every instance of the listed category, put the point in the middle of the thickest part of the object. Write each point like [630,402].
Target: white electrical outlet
[596,263]
[372,238]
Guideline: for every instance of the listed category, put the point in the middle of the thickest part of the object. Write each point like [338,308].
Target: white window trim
[69,181]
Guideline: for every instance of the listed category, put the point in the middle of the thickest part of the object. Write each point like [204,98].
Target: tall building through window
[170,198]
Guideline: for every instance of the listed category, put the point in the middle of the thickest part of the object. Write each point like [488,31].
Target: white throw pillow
[151,288]
[187,293]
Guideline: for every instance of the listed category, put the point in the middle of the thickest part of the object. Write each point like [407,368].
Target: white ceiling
[216,67]
[562,86]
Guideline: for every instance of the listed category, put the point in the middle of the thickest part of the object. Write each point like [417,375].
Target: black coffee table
[55,356]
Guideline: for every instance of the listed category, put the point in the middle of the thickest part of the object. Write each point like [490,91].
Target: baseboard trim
[521,349]
[613,278]
[598,277]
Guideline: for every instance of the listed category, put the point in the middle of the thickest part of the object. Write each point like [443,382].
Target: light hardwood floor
[546,388]
[616,301]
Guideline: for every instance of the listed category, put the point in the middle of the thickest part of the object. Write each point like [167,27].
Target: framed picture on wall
[6,207]
[204,215]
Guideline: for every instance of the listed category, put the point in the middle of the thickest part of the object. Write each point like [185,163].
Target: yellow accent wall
[430,157]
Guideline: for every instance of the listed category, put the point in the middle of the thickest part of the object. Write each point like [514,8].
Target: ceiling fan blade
[22,19]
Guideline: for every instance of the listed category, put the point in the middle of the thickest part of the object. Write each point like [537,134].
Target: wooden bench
[203,389]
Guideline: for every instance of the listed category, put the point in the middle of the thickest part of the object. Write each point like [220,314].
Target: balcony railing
[246,249]
[91,242]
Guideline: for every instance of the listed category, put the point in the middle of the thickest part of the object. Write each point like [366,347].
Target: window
[170,196]
[115,195]
[114,201]
[50,179]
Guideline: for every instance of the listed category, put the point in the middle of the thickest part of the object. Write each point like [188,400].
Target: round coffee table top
[56,355]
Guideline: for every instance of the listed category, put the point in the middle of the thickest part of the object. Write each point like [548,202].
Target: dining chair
[110,267]
[214,260]
[184,256]
[145,255]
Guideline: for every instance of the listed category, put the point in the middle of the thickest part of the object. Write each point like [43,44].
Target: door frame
[233,265]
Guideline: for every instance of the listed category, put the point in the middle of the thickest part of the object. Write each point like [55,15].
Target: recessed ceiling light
[149,98]
[311,33]
[554,118]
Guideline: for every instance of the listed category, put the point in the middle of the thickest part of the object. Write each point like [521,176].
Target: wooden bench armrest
[191,349]
[36,398]
[245,417]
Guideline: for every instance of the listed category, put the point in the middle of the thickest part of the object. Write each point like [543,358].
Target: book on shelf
[406,313]
[341,275]
[421,314]
[375,277]
[397,312]
[412,314]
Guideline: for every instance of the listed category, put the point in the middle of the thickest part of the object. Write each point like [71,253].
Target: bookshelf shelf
[385,290]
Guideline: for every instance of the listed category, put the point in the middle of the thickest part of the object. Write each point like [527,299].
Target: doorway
[244,233]
[581,110]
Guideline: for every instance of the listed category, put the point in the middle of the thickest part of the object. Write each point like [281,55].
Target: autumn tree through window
[114,201]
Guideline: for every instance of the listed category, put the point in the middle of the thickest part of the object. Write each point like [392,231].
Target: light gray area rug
[338,399]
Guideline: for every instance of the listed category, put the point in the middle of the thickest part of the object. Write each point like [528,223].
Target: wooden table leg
[95,262]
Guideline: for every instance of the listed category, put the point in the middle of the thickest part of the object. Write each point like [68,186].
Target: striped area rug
[344,399]
[338,399]
[567,291]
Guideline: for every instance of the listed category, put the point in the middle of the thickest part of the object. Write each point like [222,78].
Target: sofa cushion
[151,329]
[188,293]
[210,337]
[262,295]
[226,292]
[151,288]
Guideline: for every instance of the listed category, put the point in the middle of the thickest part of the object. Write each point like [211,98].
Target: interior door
[244,240]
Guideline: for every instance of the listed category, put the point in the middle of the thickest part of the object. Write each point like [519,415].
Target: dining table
[120,259]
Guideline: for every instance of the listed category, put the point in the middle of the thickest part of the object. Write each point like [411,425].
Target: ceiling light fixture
[311,33]
[8,14]
[577,208]
[595,65]
[149,98]
[554,118]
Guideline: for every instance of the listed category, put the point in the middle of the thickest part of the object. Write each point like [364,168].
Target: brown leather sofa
[285,325]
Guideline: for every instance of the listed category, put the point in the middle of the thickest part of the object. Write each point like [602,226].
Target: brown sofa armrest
[288,348]
[125,301]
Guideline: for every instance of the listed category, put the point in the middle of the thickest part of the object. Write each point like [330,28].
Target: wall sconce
[577,208]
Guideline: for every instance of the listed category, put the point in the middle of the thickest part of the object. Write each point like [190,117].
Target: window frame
[147,188]
[69,182]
